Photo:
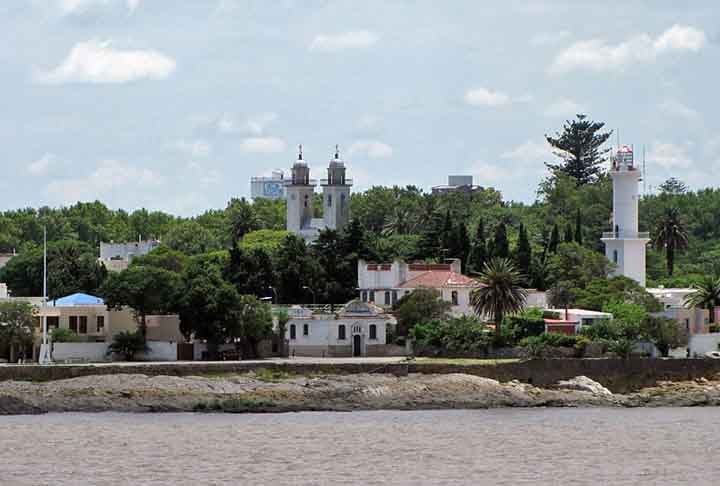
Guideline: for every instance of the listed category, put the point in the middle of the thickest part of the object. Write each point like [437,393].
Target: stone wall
[617,374]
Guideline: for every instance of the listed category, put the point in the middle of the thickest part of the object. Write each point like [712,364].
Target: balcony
[628,235]
[326,182]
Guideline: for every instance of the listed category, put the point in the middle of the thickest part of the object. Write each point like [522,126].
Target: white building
[625,245]
[385,283]
[359,329]
[117,256]
[272,187]
[694,320]
[300,192]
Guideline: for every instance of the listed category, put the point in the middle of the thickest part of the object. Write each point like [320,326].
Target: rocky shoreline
[268,392]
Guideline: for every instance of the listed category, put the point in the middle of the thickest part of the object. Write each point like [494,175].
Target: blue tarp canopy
[77,299]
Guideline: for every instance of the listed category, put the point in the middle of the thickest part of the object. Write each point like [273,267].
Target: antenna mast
[644,175]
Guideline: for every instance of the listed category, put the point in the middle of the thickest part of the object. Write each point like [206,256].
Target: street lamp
[275,295]
[312,292]
[44,357]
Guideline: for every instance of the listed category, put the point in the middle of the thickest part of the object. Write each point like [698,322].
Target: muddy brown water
[454,447]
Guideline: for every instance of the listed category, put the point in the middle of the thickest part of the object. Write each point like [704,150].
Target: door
[357,342]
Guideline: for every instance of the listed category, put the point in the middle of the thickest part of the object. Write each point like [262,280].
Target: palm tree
[670,235]
[500,291]
[706,295]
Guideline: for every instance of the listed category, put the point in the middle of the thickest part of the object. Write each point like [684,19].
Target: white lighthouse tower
[300,191]
[625,245]
[336,194]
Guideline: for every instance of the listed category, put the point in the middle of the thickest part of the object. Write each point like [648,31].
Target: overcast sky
[174,105]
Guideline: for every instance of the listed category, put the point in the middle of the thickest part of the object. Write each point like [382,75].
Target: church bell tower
[336,194]
[300,190]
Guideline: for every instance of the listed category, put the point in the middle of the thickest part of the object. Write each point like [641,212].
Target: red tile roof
[439,279]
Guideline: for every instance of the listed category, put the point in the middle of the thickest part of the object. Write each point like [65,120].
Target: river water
[458,447]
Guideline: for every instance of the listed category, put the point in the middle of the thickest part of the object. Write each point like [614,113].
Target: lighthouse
[625,245]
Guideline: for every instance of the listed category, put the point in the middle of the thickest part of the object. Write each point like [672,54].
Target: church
[300,191]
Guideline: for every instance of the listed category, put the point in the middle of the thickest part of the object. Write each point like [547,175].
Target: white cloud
[111,180]
[529,151]
[358,39]
[564,107]
[599,56]
[678,109]
[373,149]
[97,62]
[484,173]
[549,38]
[487,97]
[669,156]
[40,167]
[253,125]
[75,7]
[193,148]
[263,145]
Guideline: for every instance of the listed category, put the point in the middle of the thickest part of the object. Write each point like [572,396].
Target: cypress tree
[554,239]
[523,253]
[478,254]
[461,245]
[501,246]
[578,228]
[447,236]
[569,237]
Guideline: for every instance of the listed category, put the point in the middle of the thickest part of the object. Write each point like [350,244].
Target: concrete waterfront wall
[617,374]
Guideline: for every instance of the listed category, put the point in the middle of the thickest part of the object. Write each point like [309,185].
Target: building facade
[625,245]
[117,256]
[300,195]
[359,329]
[457,183]
[272,187]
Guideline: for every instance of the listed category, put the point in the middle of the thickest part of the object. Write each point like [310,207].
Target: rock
[583,383]
[10,405]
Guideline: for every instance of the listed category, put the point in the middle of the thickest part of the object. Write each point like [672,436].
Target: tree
[478,254]
[664,333]
[554,240]
[577,266]
[162,257]
[523,254]
[420,305]
[128,344]
[147,290]
[569,237]
[460,245]
[252,272]
[670,235]
[191,238]
[578,145]
[282,318]
[295,269]
[601,291]
[254,319]
[64,335]
[17,326]
[242,218]
[562,295]
[706,295]
[446,234]
[578,227]
[673,186]
[500,292]
[72,267]
[500,245]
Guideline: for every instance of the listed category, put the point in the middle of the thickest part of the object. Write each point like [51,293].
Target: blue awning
[77,299]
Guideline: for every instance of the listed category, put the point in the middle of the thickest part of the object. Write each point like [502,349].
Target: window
[364,296]
[53,322]
[342,203]
[341,332]
[292,331]
[615,256]
[394,297]
[372,296]
[306,329]
[373,331]
[387,298]
[329,200]
[83,325]
[100,324]
[454,297]
[73,320]
[306,200]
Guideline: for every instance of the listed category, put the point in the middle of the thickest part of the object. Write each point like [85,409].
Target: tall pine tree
[523,254]
[460,245]
[478,253]
[578,145]
[554,240]
[578,228]
[569,236]
[501,246]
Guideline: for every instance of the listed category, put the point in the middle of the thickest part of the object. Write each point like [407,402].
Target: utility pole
[44,357]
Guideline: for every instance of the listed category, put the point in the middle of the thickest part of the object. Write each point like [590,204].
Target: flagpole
[44,357]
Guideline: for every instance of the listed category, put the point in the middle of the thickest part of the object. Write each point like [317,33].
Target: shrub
[714,328]
[64,335]
[460,334]
[128,344]
[623,347]
[552,339]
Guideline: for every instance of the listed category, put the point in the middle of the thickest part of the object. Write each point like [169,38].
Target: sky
[174,104]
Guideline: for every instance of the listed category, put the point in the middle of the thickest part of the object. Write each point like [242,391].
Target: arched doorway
[357,345]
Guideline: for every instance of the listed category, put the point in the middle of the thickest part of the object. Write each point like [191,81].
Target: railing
[609,235]
[326,182]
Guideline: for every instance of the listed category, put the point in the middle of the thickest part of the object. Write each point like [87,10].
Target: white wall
[92,352]
[702,343]
[324,332]
[160,351]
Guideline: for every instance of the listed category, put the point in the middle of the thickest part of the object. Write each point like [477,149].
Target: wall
[619,375]
[160,351]
[92,352]
[700,344]
[164,328]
